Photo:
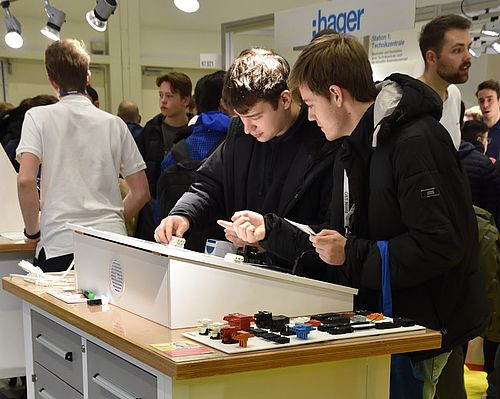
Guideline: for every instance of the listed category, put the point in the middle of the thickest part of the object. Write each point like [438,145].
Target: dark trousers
[57,264]
[451,383]
[490,349]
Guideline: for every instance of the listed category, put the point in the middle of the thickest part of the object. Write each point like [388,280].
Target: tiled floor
[16,392]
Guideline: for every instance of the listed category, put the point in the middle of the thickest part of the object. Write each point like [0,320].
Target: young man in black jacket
[397,184]
[273,159]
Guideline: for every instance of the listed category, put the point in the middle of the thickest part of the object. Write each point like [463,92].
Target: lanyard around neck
[63,93]
[348,209]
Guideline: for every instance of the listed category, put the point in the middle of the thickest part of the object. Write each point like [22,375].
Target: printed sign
[296,27]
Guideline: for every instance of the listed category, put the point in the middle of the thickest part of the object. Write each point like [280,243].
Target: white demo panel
[176,287]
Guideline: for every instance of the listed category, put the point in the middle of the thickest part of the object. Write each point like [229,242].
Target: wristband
[35,236]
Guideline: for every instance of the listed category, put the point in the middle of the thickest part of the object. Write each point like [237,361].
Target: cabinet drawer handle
[45,395]
[54,348]
[112,388]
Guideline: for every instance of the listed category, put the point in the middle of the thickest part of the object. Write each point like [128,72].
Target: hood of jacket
[465,149]
[402,99]
[214,120]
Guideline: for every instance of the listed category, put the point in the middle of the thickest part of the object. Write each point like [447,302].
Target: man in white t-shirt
[444,43]
[82,151]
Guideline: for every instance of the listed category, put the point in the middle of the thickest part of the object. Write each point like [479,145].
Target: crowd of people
[398,180]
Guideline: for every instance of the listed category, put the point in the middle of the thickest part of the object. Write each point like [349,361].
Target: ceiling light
[13,36]
[496,46]
[477,47]
[98,17]
[187,5]
[55,20]
[491,29]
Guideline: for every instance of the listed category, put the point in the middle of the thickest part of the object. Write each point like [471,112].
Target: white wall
[152,33]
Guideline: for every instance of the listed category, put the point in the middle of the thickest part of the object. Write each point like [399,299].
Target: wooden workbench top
[7,245]
[132,334]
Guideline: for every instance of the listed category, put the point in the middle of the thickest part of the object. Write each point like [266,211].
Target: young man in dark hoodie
[273,158]
[400,199]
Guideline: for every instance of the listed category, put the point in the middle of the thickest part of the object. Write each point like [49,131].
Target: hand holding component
[330,246]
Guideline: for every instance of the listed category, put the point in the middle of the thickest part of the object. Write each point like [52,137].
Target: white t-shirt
[83,150]
[451,114]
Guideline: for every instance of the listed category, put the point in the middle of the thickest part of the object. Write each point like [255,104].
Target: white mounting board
[176,287]
[315,336]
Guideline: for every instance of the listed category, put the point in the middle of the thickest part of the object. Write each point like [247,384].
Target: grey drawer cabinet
[48,386]
[109,377]
[69,366]
[57,349]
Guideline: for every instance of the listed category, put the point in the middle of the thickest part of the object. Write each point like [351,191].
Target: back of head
[179,82]
[489,84]
[42,99]
[256,75]
[92,93]
[208,92]
[129,111]
[67,64]
[432,34]
[474,113]
[473,129]
[332,58]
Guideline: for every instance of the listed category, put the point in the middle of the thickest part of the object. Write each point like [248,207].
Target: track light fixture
[496,46]
[187,5]
[98,17]
[477,47]
[491,28]
[13,36]
[55,20]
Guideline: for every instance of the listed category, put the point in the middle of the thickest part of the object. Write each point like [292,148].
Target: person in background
[5,107]
[13,121]
[476,133]
[92,95]
[273,158]
[488,97]
[444,44]
[129,112]
[188,154]
[401,219]
[82,151]
[159,133]
[473,113]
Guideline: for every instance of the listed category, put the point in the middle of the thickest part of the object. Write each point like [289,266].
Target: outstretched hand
[247,226]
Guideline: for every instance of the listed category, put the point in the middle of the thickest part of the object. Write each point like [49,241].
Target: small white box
[219,247]
[176,287]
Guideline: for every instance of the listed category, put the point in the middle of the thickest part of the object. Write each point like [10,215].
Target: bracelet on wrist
[35,236]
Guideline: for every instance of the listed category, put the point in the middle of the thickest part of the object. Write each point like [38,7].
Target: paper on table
[303,227]
[68,296]
[13,235]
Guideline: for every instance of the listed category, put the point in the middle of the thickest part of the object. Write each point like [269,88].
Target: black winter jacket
[411,190]
[222,182]
[150,144]
[484,178]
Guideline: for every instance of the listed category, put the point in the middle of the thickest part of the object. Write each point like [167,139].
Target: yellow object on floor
[475,383]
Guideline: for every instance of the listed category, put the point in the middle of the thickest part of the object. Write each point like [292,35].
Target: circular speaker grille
[117,277]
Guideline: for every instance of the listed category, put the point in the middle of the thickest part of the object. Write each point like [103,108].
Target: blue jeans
[415,380]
